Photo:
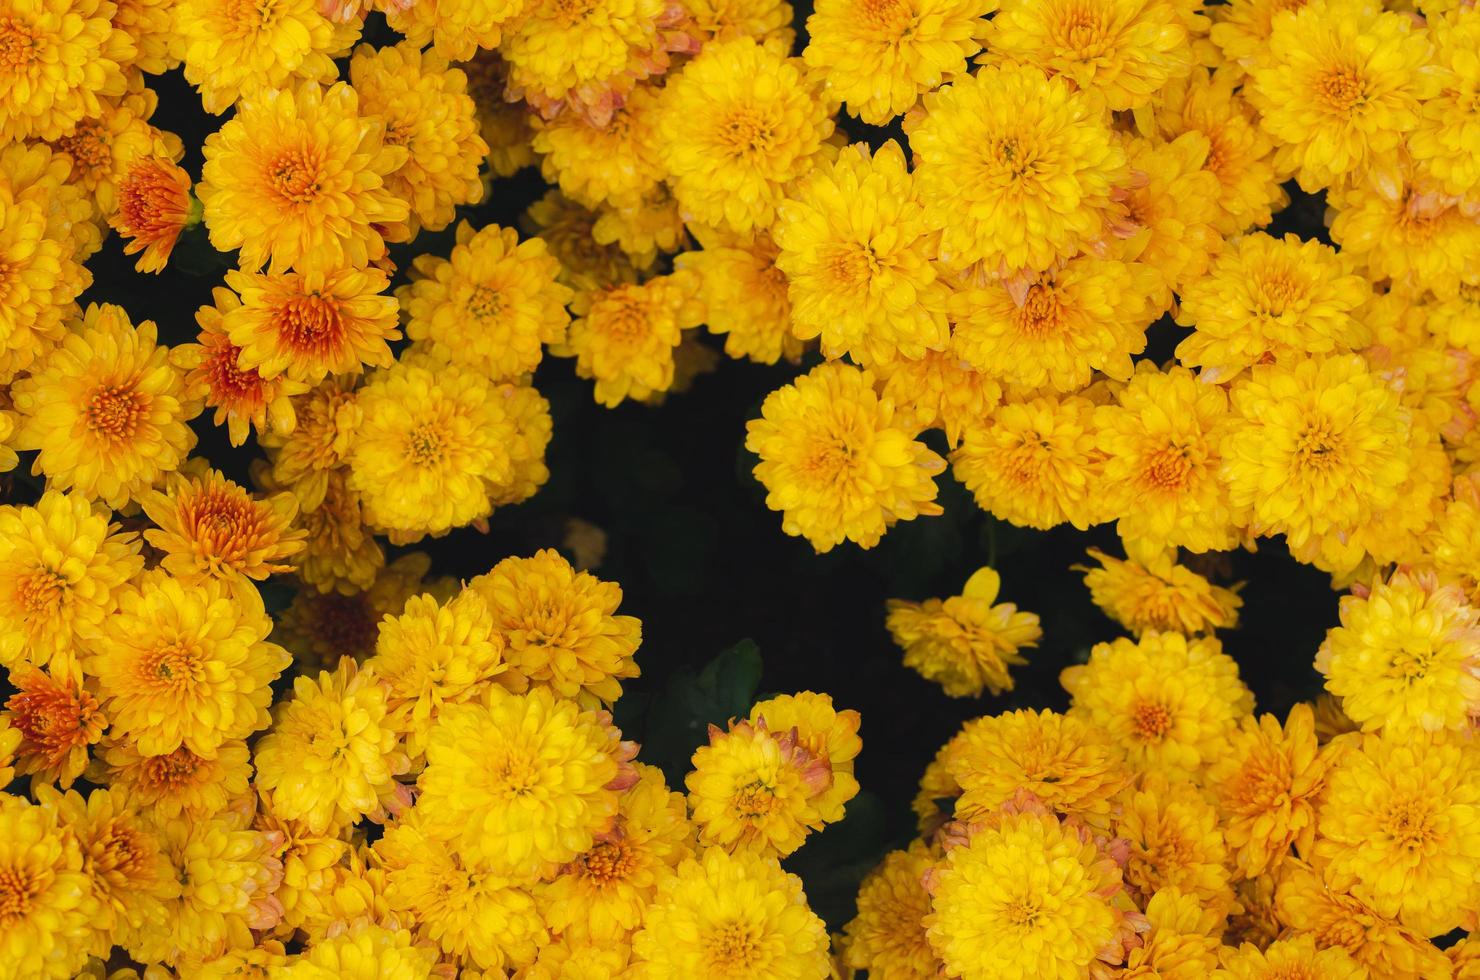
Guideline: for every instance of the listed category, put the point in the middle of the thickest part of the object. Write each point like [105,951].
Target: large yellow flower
[425,107]
[522,782]
[62,566]
[1161,444]
[1446,144]
[1406,233]
[298,176]
[1150,591]
[601,895]
[209,527]
[47,908]
[878,58]
[560,628]
[1316,446]
[738,125]
[60,57]
[745,295]
[432,438]
[330,757]
[887,937]
[1266,786]
[1169,703]
[233,50]
[107,410]
[837,462]
[489,304]
[1057,327]
[626,335]
[1035,463]
[967,642]
[186,665]
[1065,764]
[1338,87]
[1271,299]
[1017,167]
[1406,656]
[738,917]
[1030,898]
[1401,817]
[857,254]
[1123,50]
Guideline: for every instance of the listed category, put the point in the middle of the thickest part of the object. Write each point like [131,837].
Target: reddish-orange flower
[154,206]
[58,720]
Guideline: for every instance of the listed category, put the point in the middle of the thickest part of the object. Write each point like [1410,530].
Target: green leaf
[730,680]
[679,717]
[834,862]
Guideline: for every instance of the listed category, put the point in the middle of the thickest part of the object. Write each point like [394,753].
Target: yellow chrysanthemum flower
[1029,898]
[745,295]
[430,655]
[1169,703]
[618,163]
[299,176]
[311,859]
[1338,86]
[625,336]
[102,148]
[310,324]
[1241,28]
[151,25]
[478,916]
[966,643]
[1407,234]
[827,733]
[643,228]
[106,409]
[738,126]
[49,906]
[1401,818]
[1056,328]
[1067,766]
[533,429]
[426,108]
[1175,843]
[489,304]
[128,876]
[1034,463]
[1240,154]
[1271,299]
[857,253]
[1149,591]
[1446,143]
[559,626]
[1017,167]
[589,56]
[341,554]
[330,757]
[233,50]
[573,959]
[1266,786]
[365,952]
[837,462]
[57,719]
[1174,211]
[601,895]
[432,438]
[939,391]
[62,567]
[1314,446]
[186,665]
[878,58]
[1161,443]
[755,789]
[227,875]
[887,937]
[505,126]
[1178,946]
[739,915]
[568,230]
[61,57]
[177,785]
[521,781]
[1406,657]
[1123,50]
[306,454]
[209,527]
[768,21]
[1296,956]
[457,28]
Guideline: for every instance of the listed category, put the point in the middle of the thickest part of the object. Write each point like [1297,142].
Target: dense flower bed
[1207,275]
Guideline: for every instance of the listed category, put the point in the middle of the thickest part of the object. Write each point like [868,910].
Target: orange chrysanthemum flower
[210,527]
[154,206]
[58,718]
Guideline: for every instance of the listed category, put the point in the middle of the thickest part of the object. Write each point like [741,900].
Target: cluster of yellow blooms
[439,788]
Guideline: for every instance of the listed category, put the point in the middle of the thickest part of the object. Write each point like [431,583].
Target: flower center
[1011,155]
[113,412]
[117,850]
[251,16]
[310,322]
[294,177]
[892,18]
[755,800]
[1021,912]
[172,668]
[42,591]
[229,382]
[853,267]
[733,949]
[1409,823]
[571,12]
[1262,784]
[87,145]
[1150,721]
[484,303]
[1317,447]
[1342,88]
[1041,314]
[607,861]
[517,775]
[426,444]
[18,46]
[173,771]
[17,888]
[53,720]
[746,132]
[1169,468]
[1082,34]
[1412,664]
[1278,292]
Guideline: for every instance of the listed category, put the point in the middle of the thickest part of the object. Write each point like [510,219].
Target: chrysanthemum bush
[1044,249]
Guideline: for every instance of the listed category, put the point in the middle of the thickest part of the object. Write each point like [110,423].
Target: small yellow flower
[939,391]
[48,903]
[365,952]
[745,295]
[1446,143]
[1150,591]
[233,50]
[178,786]
[1408,234]
[626,335]
[1297,956]
[154,207]
[61,57]
[209,527]
[457,28]
[619,163]
[1175,843]
[1174,211]
[887,937]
